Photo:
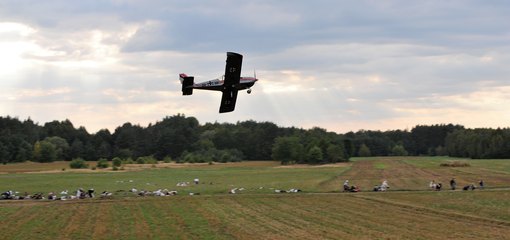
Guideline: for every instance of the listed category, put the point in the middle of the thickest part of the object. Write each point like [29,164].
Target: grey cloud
[422,52]
[329,22]
[266,26]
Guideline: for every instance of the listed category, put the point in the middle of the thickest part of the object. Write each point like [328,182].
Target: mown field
[408,211]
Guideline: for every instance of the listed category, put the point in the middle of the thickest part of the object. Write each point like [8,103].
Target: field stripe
[263,216]
[436,212]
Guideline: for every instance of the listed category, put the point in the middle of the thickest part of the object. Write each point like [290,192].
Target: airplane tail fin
[187,84]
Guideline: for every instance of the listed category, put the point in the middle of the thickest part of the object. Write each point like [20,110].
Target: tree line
[182,138]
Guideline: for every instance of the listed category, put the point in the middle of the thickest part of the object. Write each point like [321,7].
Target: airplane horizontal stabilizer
[187,84]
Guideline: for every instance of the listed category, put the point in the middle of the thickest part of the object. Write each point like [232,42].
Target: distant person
[7,195]
[346,185]
[79,193]
[381,188]
[453,184]
[90,193]
[385,186]
[105,194]
[432,185]
[481,183]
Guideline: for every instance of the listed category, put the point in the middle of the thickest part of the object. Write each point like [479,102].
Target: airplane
[229,84]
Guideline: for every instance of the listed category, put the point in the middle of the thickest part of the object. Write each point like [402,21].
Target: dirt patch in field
[340,165]
[398,173]
[80,212]
[402,175]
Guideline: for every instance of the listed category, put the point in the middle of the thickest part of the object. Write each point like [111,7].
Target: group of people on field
[433,185]
[453,185]
[79,194]
[377,188]
[64,195]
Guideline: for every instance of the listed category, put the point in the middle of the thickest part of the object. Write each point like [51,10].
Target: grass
[379,165]
[215,179]
[408,211]
[305,216]
[485,204]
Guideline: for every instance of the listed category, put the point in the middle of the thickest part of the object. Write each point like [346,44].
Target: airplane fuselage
[218,84]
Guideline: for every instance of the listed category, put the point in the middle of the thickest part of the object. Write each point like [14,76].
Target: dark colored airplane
[229,84]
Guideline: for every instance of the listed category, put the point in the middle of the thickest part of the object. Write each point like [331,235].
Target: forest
[184,139]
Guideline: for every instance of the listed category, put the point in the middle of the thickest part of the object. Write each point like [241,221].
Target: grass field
[408,211]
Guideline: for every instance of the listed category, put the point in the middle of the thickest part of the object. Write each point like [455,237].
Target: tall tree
[174,135]
[364,151]
[314,155]
[61,147]
[4,154]
[399,150]
[287,150]
[336,153]
[46,152]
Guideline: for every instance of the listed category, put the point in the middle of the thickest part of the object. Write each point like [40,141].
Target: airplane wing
[232,78]
[233,69]
[228,100]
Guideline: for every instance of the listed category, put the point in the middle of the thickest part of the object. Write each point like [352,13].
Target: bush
[116,162]
[232,155]
[146,160]
[188,157]
[167,159]
[128,161]
[140,160]
[78,163]
[150,160]
[102,163]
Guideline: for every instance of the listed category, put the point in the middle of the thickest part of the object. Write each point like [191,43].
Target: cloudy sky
[339,65]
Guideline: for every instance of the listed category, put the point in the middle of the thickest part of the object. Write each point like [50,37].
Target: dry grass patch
[455,164]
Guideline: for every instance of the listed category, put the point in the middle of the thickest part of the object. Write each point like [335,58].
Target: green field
[255,177]
[408,211]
